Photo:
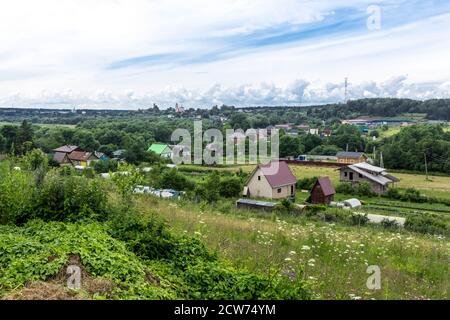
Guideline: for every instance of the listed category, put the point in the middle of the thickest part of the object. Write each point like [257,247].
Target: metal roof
[257,203]
[66,149]
[369,167]
[348,154]
[377,178]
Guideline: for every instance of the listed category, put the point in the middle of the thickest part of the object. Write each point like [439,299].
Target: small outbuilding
[322,192]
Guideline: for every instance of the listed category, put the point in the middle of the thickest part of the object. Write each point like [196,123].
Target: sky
[130,54]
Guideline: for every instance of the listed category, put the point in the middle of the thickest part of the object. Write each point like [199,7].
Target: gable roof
[80,155]
[325,185]
[380,179]
[277,173]
[67,149]
[348,154]
[158,148]
[60,157]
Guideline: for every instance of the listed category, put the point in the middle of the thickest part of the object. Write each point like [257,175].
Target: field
[333,258]
[44,125]
[436,186]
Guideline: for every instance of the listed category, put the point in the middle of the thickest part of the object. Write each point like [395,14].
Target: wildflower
[306,248]
[292,253]
[288,259]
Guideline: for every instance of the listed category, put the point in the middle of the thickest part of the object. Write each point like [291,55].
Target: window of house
[345,173]
[259,178]
[360,175]
[279,190]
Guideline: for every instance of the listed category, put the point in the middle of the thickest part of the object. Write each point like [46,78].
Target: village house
[273,181]
[377,177]
[351,157]
[73,155]
[162,150]
[322,192]
[119,154]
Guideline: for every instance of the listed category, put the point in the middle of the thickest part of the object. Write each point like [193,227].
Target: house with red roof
[274,180]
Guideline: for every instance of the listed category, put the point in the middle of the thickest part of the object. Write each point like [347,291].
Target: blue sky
[129,54]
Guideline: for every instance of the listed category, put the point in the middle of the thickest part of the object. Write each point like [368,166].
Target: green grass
[335,257]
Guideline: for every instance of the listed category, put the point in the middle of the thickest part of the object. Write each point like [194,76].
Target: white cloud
[300,92]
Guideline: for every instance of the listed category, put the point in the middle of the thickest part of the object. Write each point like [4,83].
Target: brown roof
[67,149]
[79,155]
[59,157]
[278,174]
[325,185]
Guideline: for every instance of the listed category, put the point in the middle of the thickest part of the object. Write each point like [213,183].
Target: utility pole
[346,148]
[426,165]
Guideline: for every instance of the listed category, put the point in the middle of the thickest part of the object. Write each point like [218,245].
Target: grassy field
[436,186]
[44,125]
[333,258]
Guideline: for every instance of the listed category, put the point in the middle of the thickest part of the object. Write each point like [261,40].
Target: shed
[323,191]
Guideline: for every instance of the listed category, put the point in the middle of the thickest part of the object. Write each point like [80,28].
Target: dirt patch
[40,290]
[56,288]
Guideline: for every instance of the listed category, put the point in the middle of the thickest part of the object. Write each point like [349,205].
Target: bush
[70,198]
[306,183]
[16,194]
[230,187]
[392,193]
[388,223]
[359,219]
[426,224]
[363,189]
[172,179]
[105,166]
[345,188]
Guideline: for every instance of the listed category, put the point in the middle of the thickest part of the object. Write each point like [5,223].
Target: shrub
[70,198]
[230,187]
[306,183]
[363,189]
[16,194]
[172,179]
[388,223]
[345,188]
[105,166]
[359,219]
[426,224]
[392,193]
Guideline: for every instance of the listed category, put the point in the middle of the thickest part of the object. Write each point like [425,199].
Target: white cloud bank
[299,92]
